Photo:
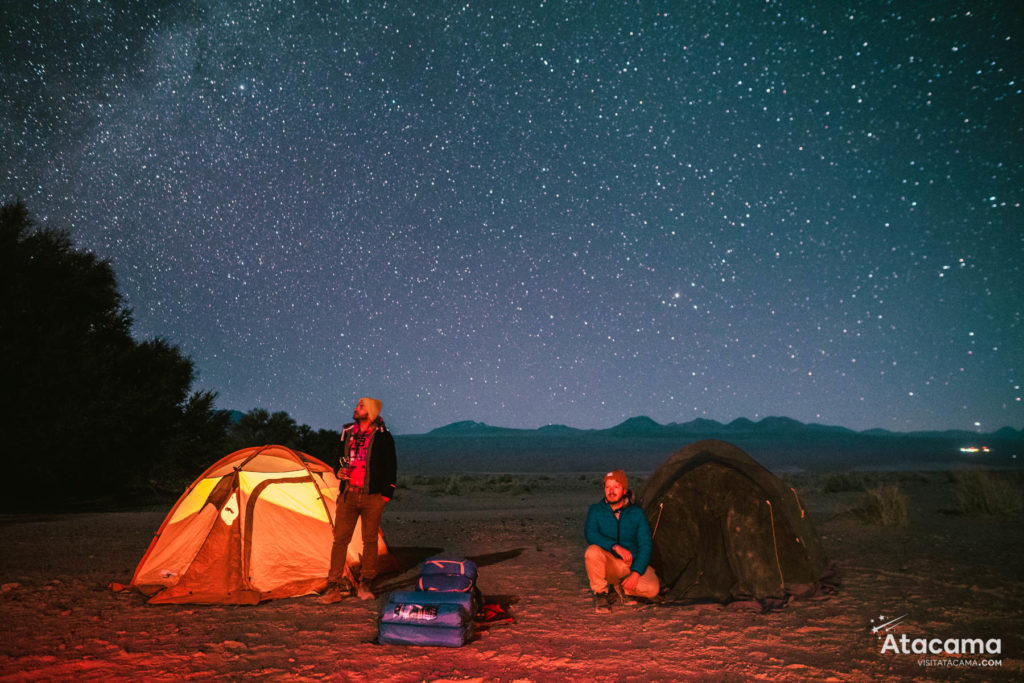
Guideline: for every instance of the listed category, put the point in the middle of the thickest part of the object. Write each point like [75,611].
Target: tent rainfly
[726,529]
[256,525]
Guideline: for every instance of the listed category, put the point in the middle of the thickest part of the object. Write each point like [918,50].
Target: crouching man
[620,546]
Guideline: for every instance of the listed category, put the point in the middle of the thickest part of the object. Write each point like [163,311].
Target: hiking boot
[603,602]
[624,597]
[364,592]
[334,593]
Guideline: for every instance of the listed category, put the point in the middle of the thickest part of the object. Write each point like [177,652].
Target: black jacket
[381,463]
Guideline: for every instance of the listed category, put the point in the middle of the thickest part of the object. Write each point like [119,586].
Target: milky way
[526,213]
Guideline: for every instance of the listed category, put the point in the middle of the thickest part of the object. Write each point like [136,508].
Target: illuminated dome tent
[258,524]
[725,529]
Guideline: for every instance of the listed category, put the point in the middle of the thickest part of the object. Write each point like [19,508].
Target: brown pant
[356,505]
[604,568]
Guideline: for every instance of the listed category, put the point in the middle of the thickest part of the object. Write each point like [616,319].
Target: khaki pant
[604,568]
[352,505]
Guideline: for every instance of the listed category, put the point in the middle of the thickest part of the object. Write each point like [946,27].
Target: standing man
[620,546]
[367,470]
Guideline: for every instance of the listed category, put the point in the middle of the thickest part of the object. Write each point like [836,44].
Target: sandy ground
[952,576]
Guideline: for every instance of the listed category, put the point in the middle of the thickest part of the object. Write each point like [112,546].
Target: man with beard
[619,548]
[367,470]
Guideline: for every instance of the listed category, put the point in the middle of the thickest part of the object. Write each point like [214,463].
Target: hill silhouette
[643,425]
[640,444]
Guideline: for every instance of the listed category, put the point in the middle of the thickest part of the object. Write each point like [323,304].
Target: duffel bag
[451,565]
[445,583]
[426,618]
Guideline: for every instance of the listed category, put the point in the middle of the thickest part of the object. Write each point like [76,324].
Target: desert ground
[950,575]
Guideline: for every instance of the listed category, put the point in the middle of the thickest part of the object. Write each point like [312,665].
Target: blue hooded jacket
[630,530]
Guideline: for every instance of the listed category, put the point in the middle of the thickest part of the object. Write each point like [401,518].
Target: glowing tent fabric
[258,524]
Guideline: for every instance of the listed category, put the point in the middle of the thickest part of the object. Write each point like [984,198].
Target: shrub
[884,505]
[978,492]
[838,483]
[522,487]
[452,488]
[503,483]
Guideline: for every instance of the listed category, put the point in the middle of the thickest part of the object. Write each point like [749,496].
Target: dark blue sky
[526,213]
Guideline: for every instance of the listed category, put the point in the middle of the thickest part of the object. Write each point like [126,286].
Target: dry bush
[452,487]
[420,480]
[841,482]
[884,505]
[978,492]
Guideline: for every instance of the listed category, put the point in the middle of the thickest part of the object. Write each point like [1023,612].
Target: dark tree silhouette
[259,427]
[88,413]
[320,443]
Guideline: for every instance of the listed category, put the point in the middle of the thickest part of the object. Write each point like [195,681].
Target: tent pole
[775,545]
[661,508]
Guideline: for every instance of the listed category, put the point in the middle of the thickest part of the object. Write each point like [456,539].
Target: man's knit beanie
[619,476]
[372,406]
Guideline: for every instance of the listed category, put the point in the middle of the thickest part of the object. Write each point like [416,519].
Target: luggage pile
[440,613]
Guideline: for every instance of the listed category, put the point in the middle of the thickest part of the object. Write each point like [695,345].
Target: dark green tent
[725,529]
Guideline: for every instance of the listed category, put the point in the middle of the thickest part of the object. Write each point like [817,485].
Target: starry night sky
[526,213]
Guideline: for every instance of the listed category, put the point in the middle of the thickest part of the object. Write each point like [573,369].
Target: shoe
[623,596]
[334,593]
[603,602]
[364,592]
[330,596]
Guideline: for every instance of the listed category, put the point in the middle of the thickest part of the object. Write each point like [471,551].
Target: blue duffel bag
[426,618]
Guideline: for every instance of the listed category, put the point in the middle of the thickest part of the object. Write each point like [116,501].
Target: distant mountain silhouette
[643,426]
[742,424]
[780,425]
[641,444]
[557,429]
[471,428]
[463,427]
[638,426]
[1009,433]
